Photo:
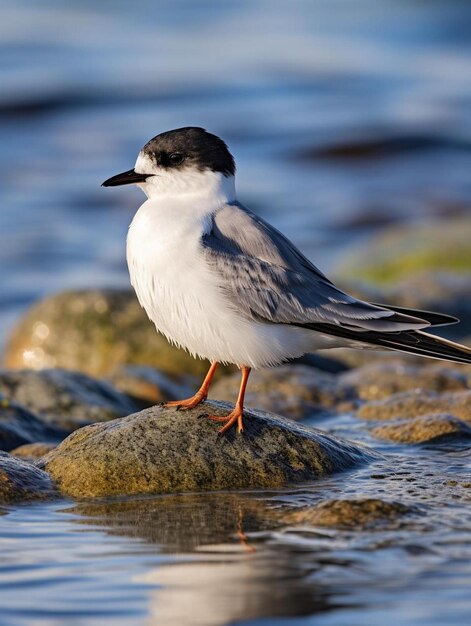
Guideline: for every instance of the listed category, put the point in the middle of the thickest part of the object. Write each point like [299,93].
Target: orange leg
[200,396]
[237,414]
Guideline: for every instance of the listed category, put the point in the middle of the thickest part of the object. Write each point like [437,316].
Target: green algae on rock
[400,251]
[426,428]
[296,391]
[93,331]
[21,481]
[64,399]
[356,514]
[162,450]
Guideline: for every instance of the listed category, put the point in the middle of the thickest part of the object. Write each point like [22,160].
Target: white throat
[187,183]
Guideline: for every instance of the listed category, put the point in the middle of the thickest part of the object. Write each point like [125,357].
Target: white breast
[182,297]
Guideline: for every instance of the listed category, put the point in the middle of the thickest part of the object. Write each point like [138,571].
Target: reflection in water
[228,558]
[226,588]
[181,523]
[227,576]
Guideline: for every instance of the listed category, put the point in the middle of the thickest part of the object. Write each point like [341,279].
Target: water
[228,558]
[84,85]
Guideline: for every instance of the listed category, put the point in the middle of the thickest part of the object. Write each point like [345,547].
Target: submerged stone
[353,514]
[21,481]
[162,450]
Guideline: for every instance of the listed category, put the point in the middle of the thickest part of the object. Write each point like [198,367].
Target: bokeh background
[350,121]
[343,116]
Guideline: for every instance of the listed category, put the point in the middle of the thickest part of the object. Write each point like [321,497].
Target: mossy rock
[93,331]
[400,251]
[163,450]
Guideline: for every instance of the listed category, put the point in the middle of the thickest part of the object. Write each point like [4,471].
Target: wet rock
[162,450]
[295,391]
[355,514]
[94,332]
[19,426]
[148,386]
[20,481]
[424,429]
[401,251]
[33,450]
[64,399]
[381,379]
[410,404]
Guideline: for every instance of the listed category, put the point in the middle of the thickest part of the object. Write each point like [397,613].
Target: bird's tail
[410,341]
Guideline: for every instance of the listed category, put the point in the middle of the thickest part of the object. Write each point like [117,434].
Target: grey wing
[266,278]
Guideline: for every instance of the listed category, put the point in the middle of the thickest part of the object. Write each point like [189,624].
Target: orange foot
[234,416]
[189,403]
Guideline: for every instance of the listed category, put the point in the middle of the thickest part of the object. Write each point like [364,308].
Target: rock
[381,379]
[296,391]
[148,386]
[357,514]
[162,450]
[19,426]
[93,331]
[33,450]
[410,404]
[64,399]
[20,481]
[423,429]
[401,251]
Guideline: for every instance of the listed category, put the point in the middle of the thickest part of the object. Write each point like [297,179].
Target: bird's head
[179,161]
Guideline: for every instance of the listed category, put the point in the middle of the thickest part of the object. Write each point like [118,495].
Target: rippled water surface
[341,119]
[231,558]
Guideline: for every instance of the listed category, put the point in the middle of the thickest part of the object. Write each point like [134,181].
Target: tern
[225,285]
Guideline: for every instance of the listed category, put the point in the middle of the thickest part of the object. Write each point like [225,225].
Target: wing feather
[266,278]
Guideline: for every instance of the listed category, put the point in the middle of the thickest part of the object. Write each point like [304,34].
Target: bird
[224,284]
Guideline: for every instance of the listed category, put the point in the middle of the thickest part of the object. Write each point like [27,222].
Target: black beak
[125,178]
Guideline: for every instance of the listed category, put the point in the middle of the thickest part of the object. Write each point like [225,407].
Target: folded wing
[266,278]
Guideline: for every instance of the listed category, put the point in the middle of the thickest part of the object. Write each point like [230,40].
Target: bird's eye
[176,158]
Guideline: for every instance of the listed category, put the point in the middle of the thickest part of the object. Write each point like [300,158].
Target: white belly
[181,296]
